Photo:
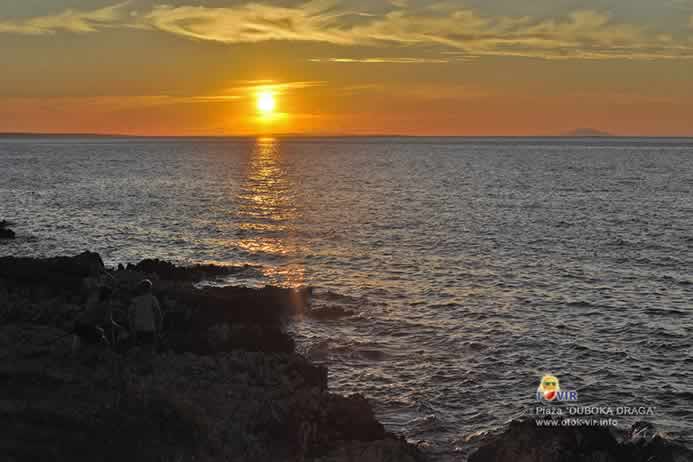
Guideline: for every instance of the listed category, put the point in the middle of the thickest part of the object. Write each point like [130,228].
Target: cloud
[380,60]
[75,21]
[581,34]
[252,87]
[122,102]
[250,23]
[459,32]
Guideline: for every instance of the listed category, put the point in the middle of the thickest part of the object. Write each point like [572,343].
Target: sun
[266,102]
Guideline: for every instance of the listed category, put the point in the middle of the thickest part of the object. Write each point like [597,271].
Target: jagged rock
[351,418]
[5,232]
[524,441]
[240,304]
[235,406]
[65,272]
[246,396]
[387,449]
[47,291]
[227,337]
[168,271]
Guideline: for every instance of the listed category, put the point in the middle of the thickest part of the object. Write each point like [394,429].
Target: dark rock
[389,448]
[227,337]
[645,444]
[524,441]
[6,233]
[168,271]
[215,305]
[351,418]
[55,271]
[234,406]
[269,339]
[245,396]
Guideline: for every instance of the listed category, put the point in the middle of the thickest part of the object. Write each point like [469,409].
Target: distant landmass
[588,132]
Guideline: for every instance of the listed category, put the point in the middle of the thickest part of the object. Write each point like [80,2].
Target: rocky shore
[225,385]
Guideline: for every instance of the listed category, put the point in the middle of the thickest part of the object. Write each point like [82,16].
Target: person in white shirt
[145,315]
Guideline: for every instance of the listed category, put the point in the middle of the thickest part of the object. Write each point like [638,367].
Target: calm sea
[474,265]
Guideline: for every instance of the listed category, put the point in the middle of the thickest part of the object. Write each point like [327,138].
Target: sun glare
[266,102]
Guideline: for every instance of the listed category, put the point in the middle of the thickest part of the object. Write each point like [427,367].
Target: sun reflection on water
[268,214]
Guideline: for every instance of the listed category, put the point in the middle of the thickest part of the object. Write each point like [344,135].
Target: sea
[471,266]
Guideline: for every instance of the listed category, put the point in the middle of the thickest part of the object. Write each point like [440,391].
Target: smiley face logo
[549,387]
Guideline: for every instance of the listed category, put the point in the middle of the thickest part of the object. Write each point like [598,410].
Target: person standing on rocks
[145,315]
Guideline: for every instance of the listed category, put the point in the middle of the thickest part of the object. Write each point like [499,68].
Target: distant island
[586,132]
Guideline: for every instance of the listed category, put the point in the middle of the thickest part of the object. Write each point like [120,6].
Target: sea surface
[473,266]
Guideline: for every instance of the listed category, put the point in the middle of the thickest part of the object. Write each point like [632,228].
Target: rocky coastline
[225,385]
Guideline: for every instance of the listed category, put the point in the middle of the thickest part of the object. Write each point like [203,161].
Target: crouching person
[89,325]
[145,316]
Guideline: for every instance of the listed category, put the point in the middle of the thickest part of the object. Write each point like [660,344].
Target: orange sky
[347,67]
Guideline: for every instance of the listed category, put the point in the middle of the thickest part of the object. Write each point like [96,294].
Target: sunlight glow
[266,102]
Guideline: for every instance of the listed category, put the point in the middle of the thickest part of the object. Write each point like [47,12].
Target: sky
[410,67]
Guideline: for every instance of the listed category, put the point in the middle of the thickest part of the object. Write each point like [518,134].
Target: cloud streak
[75,21]
[582,34]
[250,23]
[381,60]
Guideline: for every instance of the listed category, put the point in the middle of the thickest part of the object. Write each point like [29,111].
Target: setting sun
[266,102]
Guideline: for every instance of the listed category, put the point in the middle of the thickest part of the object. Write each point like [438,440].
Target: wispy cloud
[125,101]
[399,3]
[253,22]
[381,60]
[76,21]
[582,34]
[251,87]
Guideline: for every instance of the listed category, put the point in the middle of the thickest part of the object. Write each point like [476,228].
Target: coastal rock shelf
[228,388]
[524,441]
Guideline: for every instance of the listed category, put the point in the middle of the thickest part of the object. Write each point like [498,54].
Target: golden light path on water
[268,213]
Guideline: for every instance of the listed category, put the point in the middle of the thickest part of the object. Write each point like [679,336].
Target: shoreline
[228,384]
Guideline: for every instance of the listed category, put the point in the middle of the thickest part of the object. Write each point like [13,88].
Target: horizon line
[322,135]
